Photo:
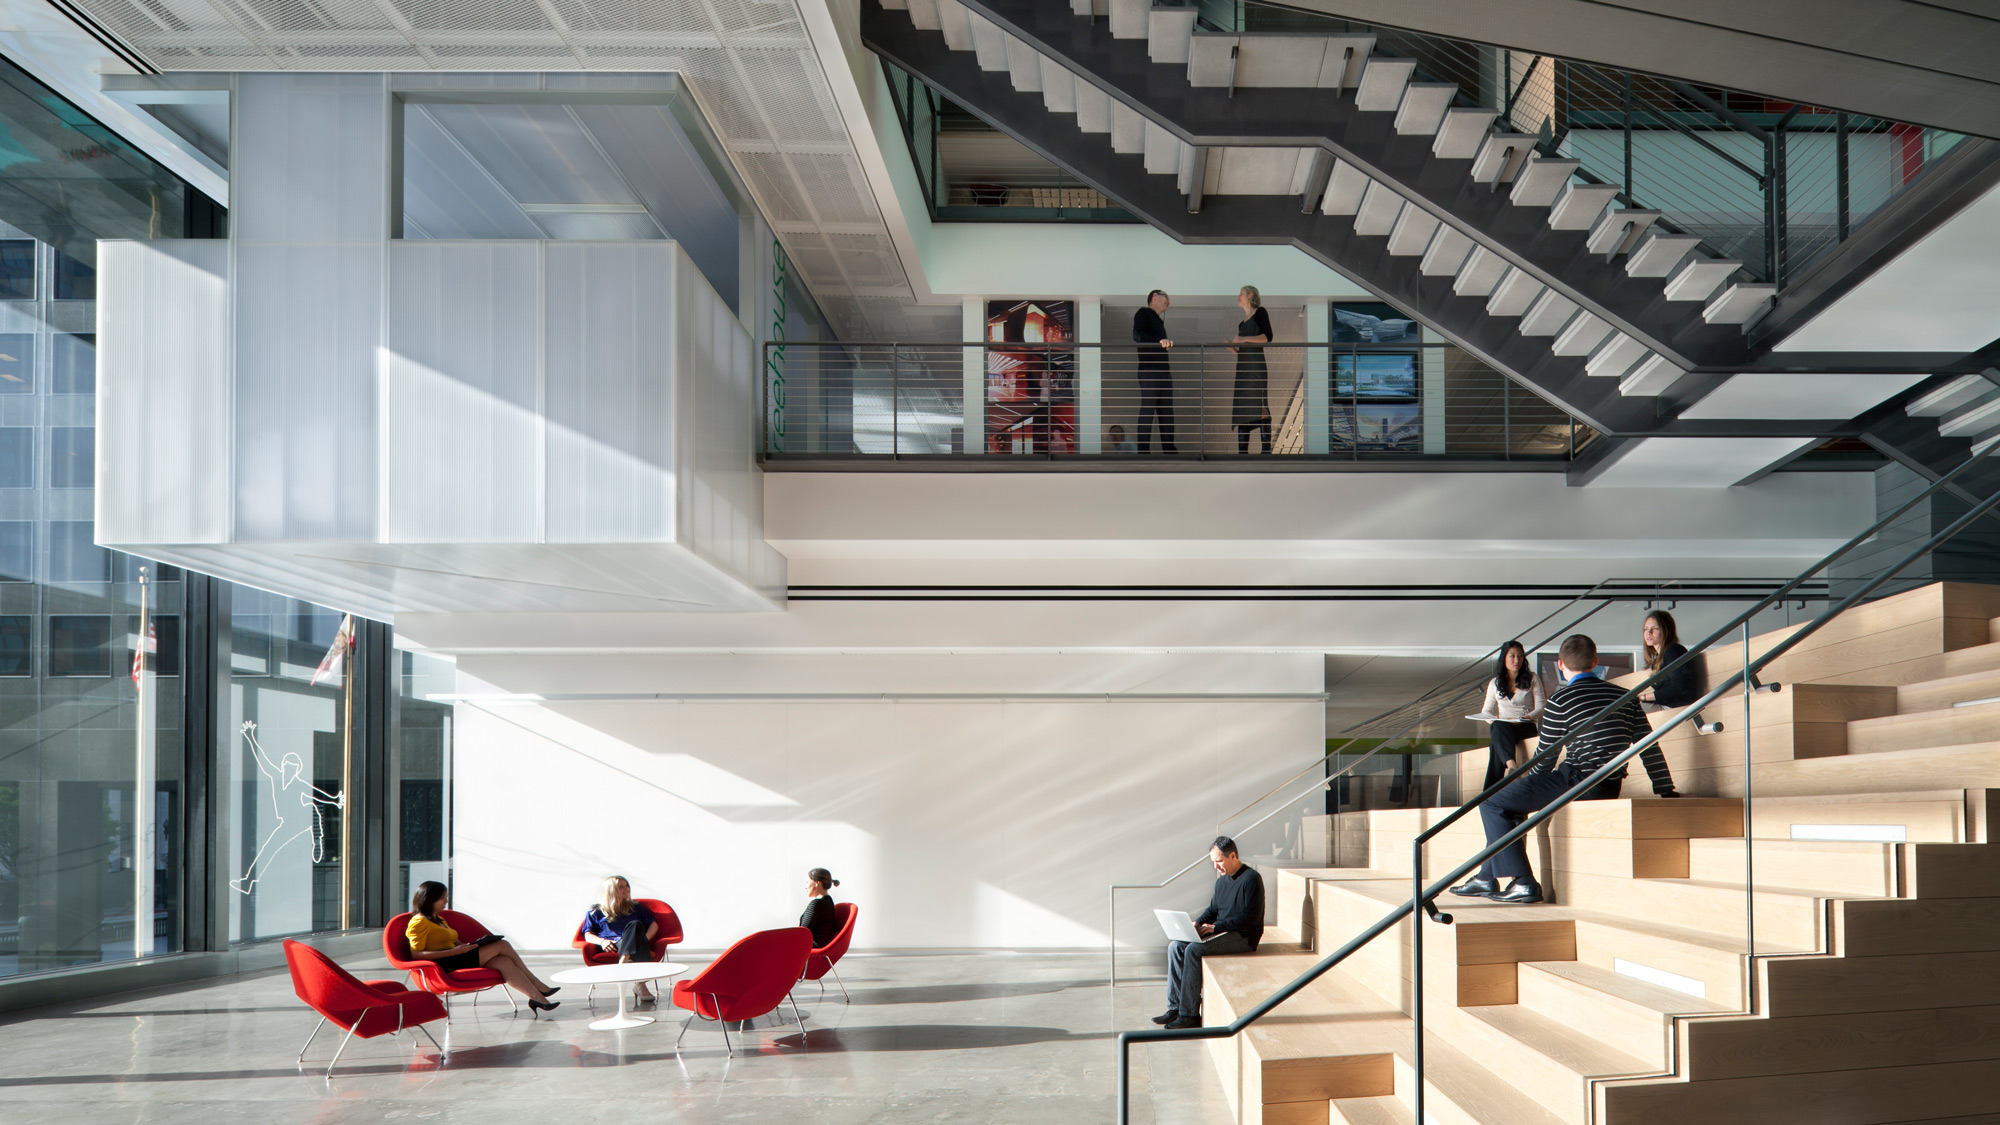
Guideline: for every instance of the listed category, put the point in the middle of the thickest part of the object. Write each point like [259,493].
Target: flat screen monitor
[1375,375]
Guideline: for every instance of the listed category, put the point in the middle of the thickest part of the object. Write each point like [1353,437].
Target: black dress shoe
[1476,887]
[1519,892]
[1184,1022]
[1167,1018]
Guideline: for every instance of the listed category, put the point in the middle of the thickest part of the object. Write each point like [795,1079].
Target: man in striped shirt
[1583,696]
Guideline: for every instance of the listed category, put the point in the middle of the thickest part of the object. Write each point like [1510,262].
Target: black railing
[1337,402]
[1423,896]
[1773,184]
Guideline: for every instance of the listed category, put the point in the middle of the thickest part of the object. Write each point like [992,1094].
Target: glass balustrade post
[1749,843]
[1840,172]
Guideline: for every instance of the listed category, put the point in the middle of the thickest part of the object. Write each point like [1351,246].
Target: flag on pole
[141,652]
[336,657]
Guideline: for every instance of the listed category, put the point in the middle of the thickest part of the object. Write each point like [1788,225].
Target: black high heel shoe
[543,1005]
[548,992]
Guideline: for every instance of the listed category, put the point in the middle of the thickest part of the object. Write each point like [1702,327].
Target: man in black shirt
[1583,696]
[1233,923]
[1156,378]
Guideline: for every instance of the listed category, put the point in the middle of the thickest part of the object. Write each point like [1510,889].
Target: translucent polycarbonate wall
[430,424]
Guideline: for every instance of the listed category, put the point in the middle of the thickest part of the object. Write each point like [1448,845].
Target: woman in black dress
[820,916]
[1252,409]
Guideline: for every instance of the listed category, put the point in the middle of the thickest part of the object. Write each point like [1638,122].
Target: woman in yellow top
[432,940]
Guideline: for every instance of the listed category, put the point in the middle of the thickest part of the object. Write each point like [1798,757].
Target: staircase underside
[1930,64]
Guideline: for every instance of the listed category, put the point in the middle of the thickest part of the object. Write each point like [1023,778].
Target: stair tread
[1475,1089]
[1904,718]
[1385,1110]
[1632,990]
[1329,1018]
[1573,1050]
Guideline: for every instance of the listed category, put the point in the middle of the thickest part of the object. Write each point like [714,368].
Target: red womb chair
[426,974]
[820,962]
[367,1008]
[750,979]
[670,934]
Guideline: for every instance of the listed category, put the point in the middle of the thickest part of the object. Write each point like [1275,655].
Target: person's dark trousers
[1156,410]
[1243,436]
[1503,738]
[632,943]
[1184,969]
[1511,806]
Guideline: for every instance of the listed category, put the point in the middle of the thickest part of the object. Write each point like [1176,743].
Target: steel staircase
[1503,247]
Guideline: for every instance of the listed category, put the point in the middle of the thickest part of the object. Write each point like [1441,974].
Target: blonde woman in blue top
[617,922]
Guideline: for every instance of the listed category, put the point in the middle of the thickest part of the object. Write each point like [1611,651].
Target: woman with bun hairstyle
[820,916]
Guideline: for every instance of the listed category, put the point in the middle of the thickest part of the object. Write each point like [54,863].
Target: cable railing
[1421,903]
[1055,399]
[1775,185]
[1448,696]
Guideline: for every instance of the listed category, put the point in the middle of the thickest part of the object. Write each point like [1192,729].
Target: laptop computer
[1180,927]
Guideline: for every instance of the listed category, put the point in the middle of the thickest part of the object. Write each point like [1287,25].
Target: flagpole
[144,780]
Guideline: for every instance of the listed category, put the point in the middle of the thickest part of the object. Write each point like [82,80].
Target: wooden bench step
[1459,1091]
[1623,1012]
[1544,1059]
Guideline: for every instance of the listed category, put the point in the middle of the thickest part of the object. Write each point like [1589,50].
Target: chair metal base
[345,1039]
[835,970]
[727,1044]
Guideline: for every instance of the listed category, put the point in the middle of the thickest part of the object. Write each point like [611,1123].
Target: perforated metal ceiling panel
[750,63]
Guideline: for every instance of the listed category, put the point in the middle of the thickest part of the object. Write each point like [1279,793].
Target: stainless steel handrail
[1424,895]
[1658,590]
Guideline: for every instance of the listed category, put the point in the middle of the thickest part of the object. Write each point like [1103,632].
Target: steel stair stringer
[1270,220]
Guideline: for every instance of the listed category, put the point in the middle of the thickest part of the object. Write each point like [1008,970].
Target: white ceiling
[1788,394]
[1696,462]
[1936,296]
[751,63]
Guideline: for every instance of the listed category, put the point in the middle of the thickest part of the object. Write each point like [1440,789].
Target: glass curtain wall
[285,769]
[88,862]
[422,769]
[229,711]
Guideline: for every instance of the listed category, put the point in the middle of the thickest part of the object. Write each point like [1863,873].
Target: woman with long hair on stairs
[1514,697]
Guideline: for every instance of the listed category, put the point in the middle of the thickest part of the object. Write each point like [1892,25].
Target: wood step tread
[1572,1050]
[1762,888]
[1945,690]
[1329,1018]
[1369,1111]
[1895,797]
[1480,1093]
[1630,990]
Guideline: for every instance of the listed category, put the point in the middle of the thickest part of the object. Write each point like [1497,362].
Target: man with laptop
[1233,923]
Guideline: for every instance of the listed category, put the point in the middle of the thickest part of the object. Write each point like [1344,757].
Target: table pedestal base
[624,1019]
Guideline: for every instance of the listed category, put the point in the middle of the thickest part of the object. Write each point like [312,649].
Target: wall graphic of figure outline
[285,776]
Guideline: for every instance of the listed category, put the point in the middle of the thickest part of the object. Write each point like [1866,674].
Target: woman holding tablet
[1514,699]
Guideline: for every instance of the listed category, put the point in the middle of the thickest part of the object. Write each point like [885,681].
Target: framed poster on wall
[1030,389]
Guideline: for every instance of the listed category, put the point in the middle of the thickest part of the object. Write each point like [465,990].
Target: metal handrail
[1424,895]
[1658,590]
[1327,779]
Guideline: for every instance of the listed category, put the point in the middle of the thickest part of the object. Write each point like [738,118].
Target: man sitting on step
[1582,697]
[1233,923]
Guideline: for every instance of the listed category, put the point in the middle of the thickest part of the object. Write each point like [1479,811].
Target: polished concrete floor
[1001,1038]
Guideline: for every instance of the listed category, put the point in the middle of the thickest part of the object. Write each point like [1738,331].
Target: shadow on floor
[933,1037]
[950,993]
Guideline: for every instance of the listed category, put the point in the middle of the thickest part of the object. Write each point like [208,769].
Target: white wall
[984,801]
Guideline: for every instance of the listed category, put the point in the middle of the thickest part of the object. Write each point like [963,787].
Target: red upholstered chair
[820,961]
[670,934]
[750,979]
[426,974]
[365,1008]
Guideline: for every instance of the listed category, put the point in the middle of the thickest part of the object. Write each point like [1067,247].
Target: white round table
[629,972]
